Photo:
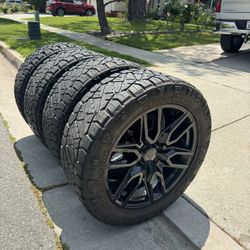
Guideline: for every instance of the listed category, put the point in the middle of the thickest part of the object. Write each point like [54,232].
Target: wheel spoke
[149,189]
[167,133]
[133,173]
[170,142]
[134,189]
[118,159]
[187,137]
[162,181]
[158,127]
[166,157]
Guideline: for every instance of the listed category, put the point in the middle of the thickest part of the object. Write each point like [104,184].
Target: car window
[77,2]
[67,1]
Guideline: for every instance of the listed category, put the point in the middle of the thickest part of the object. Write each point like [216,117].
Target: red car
[62,7]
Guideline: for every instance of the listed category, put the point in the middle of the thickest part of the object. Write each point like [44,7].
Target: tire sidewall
[231,43]
[60,14]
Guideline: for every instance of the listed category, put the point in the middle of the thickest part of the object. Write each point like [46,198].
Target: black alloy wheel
[151,156]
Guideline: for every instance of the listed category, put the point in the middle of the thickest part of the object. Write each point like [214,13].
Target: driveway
[204,53]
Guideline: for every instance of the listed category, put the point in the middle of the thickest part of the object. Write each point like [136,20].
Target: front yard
[15,35]
[189,36]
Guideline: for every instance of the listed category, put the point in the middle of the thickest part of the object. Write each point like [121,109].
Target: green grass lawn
[147,42]
[84,24]
[167,41]
[15,35]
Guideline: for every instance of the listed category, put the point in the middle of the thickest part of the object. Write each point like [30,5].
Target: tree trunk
[102,18]
[136,9]
[37,5]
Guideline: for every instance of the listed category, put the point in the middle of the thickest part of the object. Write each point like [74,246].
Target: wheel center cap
[150,154]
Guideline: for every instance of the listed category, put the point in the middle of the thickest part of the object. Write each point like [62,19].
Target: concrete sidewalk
[222,185]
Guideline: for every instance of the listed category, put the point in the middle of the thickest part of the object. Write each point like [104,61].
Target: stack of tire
[130,140]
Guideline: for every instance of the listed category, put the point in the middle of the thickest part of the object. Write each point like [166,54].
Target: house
[113,7]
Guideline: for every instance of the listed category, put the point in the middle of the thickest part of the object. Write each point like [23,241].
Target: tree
[40,5]
[136,9]
[105,29]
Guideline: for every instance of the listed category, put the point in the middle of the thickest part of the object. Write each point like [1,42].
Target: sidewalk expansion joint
[45,189]
[230,123]
[185,197]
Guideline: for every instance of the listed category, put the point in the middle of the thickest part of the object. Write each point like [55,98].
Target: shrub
[171,9]
[24,8]
[203,17]
[13,8]
[186,14]
[4,8]
[181,12]
[153,13]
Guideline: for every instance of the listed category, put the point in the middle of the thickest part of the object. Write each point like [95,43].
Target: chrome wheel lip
[175,171]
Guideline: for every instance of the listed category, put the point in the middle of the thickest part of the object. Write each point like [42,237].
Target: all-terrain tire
[231,43]
[30,65]
[99,120]
[42,81]
[69,90]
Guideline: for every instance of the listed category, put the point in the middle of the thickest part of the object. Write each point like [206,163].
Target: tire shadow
[79,230]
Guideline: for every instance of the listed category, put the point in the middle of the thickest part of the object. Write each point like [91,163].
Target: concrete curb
[12,56]
[185,217]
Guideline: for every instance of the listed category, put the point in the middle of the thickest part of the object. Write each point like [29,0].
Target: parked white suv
[233,23]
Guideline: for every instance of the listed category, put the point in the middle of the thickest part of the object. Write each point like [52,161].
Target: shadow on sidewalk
[229,63]
[239,62]
[79,230]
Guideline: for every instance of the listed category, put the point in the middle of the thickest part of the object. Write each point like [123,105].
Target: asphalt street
[22,224]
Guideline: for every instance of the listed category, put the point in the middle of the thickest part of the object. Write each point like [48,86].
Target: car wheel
[89,12]
[134,143]
[29,66]
[60,12]
[230,43]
